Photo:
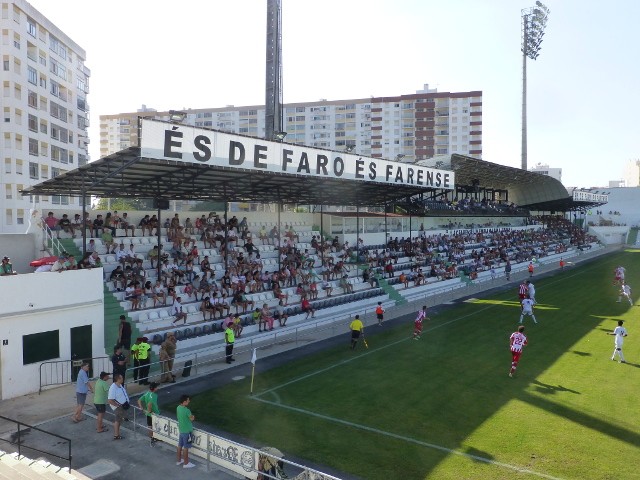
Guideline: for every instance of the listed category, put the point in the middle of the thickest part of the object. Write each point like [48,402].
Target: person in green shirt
[229,340]
[6,268]
[185,427]
[101,391]
[149,404]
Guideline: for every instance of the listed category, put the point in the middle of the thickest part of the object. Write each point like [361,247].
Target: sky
[583,97]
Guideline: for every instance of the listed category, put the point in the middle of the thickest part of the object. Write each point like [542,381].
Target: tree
[207,207]
[124,204]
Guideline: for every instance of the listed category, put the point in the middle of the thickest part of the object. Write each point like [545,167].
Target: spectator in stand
[308,309]
[159,292]
[65,224]
[92,247]
[52,223]
[122,255]
[281,314]
[107,239]
[345,285]
[126,225]
[117,277]
[110,223]
[170,345]
[70,263]
[76,223]
[145,225]
[178,313]
[58,265]
[6,268]
[88,223]
[98,225]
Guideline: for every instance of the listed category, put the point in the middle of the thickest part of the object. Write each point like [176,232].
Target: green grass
[570,412]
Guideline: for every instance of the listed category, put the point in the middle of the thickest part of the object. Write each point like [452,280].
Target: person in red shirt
[53,223]
[530,269]
[517,341]
[522,291]
[422,315]
[561,264]
[306,307]
[380,313]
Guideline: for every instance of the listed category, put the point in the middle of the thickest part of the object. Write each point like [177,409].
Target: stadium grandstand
[261,266]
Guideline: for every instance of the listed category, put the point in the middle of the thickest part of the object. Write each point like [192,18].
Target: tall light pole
[534,21]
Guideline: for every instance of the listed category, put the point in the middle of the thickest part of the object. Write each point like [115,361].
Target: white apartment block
[547,170]
[412,127]
[631,174]
[46,114]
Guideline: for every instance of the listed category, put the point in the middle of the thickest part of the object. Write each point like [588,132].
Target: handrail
[19,439]
[56,247]
[61,371]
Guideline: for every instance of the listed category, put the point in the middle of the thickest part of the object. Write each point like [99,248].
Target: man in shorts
[119,401]
[82,388]
[148,403]
[517,341]
[619,333]
[356,328]
[185,429]
[625,291]
[380,313]
[422,315]
[527,309]
[100,400]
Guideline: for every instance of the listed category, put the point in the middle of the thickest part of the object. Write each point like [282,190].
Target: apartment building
[543,169]
[46,114]
[408,127]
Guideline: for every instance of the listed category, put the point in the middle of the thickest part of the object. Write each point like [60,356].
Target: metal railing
[59,372]
[210,448]
[49,241]
[17,438]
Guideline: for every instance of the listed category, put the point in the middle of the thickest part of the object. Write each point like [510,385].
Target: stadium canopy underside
[127,174]
[529,190]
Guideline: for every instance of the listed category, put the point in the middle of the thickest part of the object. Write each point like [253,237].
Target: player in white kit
[517,340]
[625,291]
[619,333]
[532,291]
[527,309]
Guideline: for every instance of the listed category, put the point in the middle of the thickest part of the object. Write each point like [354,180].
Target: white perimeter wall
[610,235]
[623,200]
[41,302]
[21,248]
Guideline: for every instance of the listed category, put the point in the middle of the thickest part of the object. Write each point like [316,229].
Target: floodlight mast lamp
[534,21]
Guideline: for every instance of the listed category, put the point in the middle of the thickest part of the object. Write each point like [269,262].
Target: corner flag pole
[253,369]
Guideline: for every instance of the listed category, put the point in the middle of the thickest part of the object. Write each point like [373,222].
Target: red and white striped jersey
[422,314]
[518,340]
[523,289]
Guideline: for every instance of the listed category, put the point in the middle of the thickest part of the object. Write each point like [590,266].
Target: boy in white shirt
[619,333]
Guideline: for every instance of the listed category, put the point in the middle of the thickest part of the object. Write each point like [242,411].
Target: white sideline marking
[411,440]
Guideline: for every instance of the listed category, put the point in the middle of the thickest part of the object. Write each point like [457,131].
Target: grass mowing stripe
[411,440]
[304,377]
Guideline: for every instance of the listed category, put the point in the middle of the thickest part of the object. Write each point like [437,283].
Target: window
[55,88]
[33,123]
[55,132]
[31,27]
[7,165]
[64,135]
[64,155]
[55,153]
[33,170]
[53,43]
[33,146]
[32,76]
[40,347]
[43,58]
[32,99]
[43,81]
[44,171]
[43,127]
[5,65]
[8,191]
[299,109]
[55,172]
[19,167]
[350,106]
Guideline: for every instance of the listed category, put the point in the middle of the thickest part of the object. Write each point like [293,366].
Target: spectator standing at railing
[6,268]
[100,400]
[83,386]
[149,404]
[119,401]
[142,350]
[119,361]
[52,223]
[169,346]
[185,429]
[58,265]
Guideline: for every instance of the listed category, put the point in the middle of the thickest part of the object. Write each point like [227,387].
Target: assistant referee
[356,329]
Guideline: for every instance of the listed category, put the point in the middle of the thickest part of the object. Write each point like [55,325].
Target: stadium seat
[143,318]
[188,333]
[157,339]
[197,332]
[179,335]
[206,330]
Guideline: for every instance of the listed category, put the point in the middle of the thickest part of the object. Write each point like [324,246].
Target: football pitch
[444,407]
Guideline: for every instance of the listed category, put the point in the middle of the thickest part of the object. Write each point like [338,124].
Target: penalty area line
[411,440]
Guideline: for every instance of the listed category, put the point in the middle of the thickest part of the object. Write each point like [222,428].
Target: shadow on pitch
[551,389]
[474,452]
[582,354]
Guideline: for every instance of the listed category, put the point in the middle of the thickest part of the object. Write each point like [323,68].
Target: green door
[81,351]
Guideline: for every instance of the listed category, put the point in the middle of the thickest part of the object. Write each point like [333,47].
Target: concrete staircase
[19,467]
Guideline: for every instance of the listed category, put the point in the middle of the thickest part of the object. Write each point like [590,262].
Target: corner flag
[254,357]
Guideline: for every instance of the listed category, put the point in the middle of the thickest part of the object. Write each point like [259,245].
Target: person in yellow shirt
[356,328]
[140,352]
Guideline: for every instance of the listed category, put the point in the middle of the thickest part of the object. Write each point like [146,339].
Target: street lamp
[280,135]
[176,116]
[534,21]
[349,148]
[399,157]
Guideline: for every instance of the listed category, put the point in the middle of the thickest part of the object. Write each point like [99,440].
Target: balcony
[444,114]
[442,132]
[442,124]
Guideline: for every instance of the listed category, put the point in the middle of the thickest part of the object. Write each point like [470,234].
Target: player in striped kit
[522,291]
[517,341]
[422,315]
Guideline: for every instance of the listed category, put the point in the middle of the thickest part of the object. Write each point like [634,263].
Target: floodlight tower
[273,91]
[534,21]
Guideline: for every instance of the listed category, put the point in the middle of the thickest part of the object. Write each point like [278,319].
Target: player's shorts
[516,355]
[380,316]
[527,312]
[355,334]
[617,279]
[522,296]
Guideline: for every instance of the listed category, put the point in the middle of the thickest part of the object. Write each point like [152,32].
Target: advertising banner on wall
[232,456]
[184,143]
